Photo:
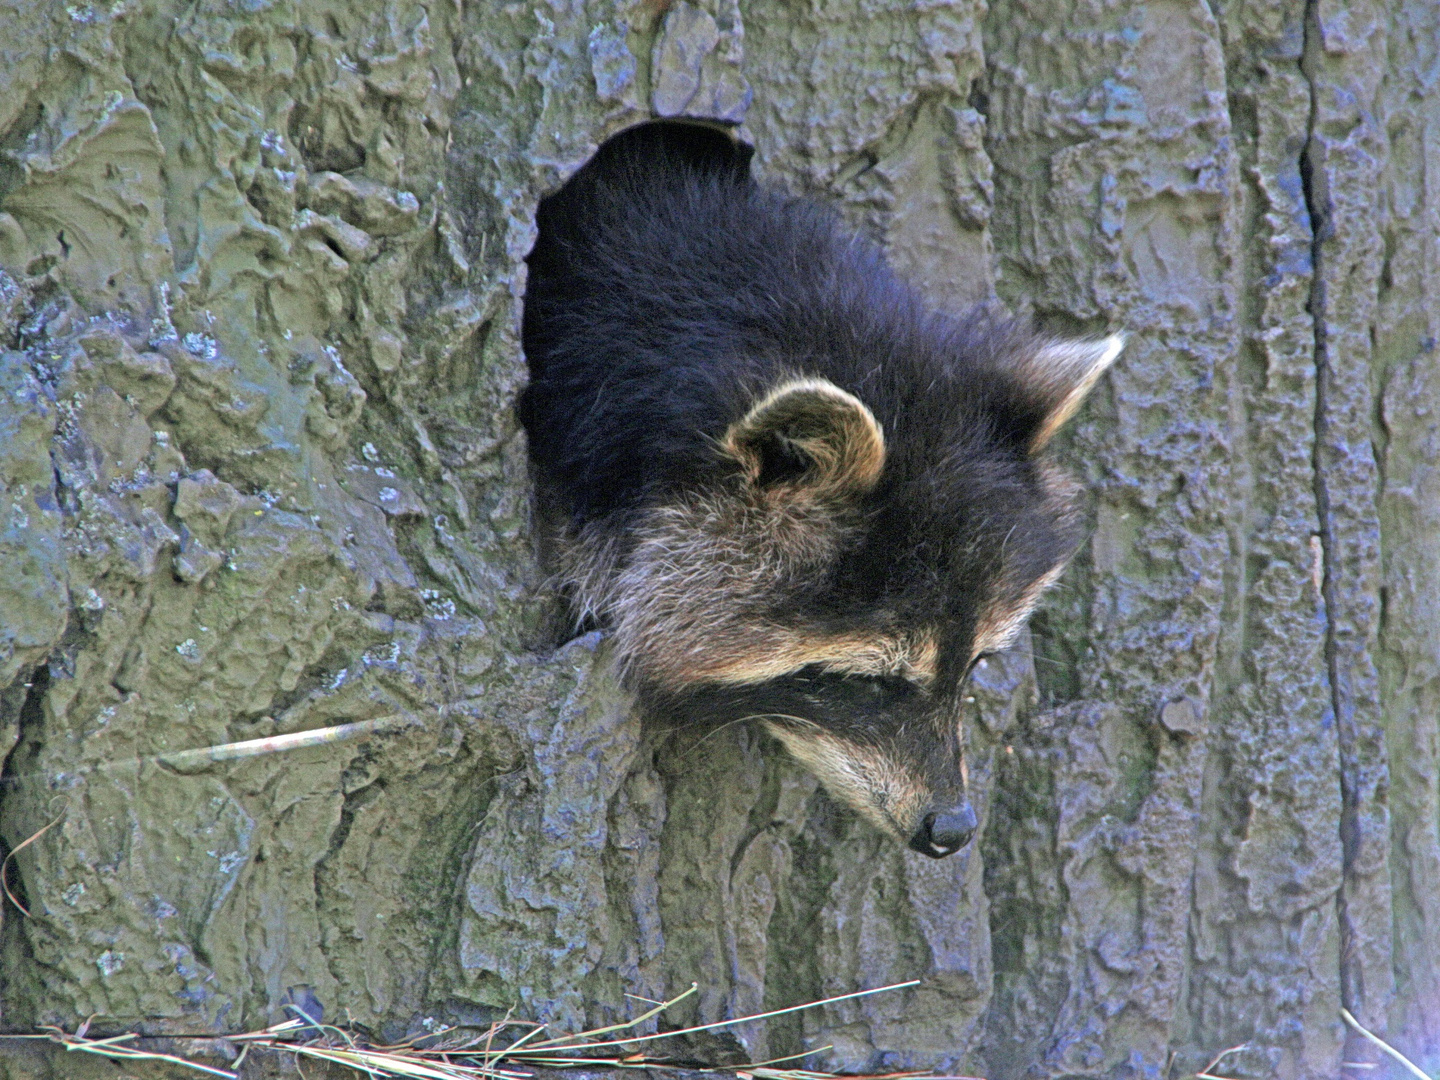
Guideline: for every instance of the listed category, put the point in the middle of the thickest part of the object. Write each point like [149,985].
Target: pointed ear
[1058,375]
[811,435]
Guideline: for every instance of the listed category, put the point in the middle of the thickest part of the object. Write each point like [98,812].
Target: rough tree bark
[262,279]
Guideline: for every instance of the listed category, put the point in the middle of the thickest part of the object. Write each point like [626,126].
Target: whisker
[710,735]
[783,716]
[1048,660]
[741,720]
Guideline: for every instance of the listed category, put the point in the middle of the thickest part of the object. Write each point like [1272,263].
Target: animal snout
[944,832]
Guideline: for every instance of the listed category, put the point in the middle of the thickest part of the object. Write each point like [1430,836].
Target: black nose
[944,833]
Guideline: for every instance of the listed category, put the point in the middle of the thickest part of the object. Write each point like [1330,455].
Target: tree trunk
[263,276]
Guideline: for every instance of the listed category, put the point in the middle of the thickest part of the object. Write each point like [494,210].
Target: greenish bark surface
[261,268]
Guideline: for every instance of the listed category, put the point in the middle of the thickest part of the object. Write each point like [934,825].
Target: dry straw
[446,1054]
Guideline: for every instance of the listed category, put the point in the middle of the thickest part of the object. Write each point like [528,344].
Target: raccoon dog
[793,492]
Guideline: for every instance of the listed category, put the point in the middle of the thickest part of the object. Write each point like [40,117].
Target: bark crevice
[1319,209]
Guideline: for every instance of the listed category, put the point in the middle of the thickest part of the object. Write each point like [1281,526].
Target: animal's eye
[889,684]
[881,689]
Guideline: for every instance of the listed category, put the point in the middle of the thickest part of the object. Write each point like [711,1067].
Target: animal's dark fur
[832,570]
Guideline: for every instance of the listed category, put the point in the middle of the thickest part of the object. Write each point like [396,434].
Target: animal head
[846,557]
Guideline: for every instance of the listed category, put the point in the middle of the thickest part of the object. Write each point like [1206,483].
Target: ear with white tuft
[1061,374]
[808,434]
